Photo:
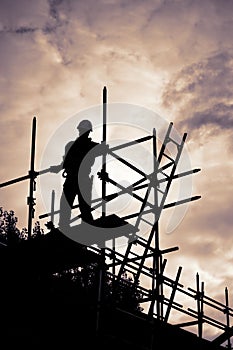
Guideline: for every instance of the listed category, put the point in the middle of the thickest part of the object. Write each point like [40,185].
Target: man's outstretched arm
[56,168]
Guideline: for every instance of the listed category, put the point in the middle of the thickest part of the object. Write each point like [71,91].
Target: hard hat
[85,124]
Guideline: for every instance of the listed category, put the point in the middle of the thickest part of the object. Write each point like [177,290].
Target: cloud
[56,56]
[200,97]
[219,115]
[19,30]
[202,84]
[23,13]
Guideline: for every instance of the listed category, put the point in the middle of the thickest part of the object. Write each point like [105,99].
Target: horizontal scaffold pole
[169,205]
[13,181]
[131,143]
[25,177]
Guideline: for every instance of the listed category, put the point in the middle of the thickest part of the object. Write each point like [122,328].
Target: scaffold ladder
[164,162]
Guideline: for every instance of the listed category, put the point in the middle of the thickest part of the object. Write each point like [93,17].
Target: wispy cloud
[219,115]
[202,93]
[56,56]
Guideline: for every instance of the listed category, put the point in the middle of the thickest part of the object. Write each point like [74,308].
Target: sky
[173,58]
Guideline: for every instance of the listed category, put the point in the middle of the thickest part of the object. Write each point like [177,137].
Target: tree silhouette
[78,281]
[84,282]
[10,233]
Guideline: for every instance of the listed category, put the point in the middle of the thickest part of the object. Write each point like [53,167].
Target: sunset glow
[166,57]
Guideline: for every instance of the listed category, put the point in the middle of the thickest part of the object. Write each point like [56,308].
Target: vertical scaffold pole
[102,263]
[156,257]
[155,169]
[104,155]
[52,206]
[30,199]
[200,294]
[227,317]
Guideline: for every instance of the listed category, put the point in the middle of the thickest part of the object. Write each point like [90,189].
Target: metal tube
[30,201]
[104,155]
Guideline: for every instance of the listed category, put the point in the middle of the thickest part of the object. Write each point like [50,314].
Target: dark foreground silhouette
[49,300]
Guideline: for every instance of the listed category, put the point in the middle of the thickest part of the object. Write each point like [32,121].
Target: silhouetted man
[77,161]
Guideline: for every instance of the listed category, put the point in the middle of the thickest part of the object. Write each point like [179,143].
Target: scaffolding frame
[160,306]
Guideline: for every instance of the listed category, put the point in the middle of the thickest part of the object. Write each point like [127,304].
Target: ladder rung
[164,174]
[175,142]
[134,255]
[145,245]
[142,239]
[158,189]
[167,156]
[166,166]
[147,222]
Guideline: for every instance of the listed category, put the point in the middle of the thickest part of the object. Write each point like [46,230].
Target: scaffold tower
[142,256]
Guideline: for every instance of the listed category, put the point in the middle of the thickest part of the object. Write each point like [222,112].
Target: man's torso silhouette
[78,159]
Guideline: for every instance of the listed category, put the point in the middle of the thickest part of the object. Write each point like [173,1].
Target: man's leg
[84,198]
[66,203]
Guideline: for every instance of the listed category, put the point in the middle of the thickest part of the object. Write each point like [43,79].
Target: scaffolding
[143,257]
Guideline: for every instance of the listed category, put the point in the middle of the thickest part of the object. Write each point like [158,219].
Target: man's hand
[55,168]
[104,148]
[103,175]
